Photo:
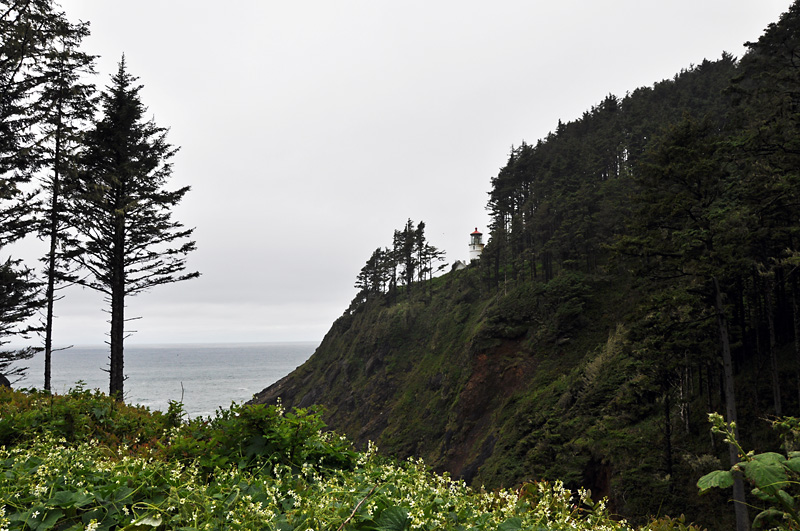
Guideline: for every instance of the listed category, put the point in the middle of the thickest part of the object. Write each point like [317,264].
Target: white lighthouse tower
[475,245]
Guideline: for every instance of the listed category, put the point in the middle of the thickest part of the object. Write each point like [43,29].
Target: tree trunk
[741,317]
[497,268]
[773,356]
[755,326]
[51,259]
[116,374]
[547,262]
[742,518]
[667,433]
[796,327]
[687,382]
[705,389]
[796,330]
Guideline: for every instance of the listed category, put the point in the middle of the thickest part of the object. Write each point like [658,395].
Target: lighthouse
[475,245]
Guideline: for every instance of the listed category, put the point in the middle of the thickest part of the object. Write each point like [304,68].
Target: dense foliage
[696,191]
[85,461]
[410,259]
[641,273]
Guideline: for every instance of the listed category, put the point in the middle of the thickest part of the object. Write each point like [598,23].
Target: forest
[641,273]
[87,173]
[689,188]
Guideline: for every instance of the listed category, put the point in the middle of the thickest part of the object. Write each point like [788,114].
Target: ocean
[205,376]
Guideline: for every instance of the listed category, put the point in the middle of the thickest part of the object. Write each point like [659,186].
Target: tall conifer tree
[64,105]
[26,31]
[122,212]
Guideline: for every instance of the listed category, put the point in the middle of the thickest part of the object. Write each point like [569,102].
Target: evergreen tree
[63,105]
[26,31]
[427,254]
[374,276]
[556,205]
[410,252]
[403,246]
[121,211]
[19,296]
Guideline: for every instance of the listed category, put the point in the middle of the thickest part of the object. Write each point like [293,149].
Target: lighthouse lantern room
[475,245]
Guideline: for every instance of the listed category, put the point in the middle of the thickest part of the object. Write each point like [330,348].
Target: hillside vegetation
[87,462]
[641,272]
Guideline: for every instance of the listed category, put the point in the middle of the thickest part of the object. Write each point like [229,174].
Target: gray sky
[310,130]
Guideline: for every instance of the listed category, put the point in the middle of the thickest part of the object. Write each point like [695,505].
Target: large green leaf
[393,519]
[761,495]
[152,521]
[49,520]
[65,499]
[767,516]
[718,478]
[769,458]
[512,524]
[786,498]
[769,475]
[37,517]
[793,464]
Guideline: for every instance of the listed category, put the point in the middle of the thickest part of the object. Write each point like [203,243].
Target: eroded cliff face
[443,410]
[407,375]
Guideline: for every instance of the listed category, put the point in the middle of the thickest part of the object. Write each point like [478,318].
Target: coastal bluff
[482,385]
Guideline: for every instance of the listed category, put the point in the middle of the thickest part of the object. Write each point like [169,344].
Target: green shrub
[248,468]
[259,437]
[77,416]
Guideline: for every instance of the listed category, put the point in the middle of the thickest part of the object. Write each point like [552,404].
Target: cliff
[532,381]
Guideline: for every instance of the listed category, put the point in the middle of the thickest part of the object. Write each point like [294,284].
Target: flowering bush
[248,468]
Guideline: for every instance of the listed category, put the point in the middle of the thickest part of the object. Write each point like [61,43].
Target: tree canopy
[410,259]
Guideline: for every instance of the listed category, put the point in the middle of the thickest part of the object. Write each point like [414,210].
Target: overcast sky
[311,130]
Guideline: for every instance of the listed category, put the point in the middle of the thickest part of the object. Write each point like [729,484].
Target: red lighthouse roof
[476,231]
